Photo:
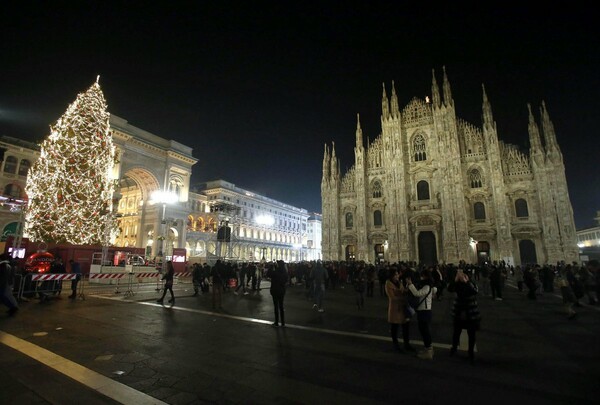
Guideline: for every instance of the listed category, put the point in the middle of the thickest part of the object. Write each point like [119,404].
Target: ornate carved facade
[434,188]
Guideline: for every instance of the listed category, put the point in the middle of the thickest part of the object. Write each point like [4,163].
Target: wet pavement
[130,349]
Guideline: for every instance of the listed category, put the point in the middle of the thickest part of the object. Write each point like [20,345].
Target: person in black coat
[168,278]
[465,311]
[279,276]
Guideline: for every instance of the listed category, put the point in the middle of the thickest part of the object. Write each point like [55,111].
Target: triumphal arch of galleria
[149,163]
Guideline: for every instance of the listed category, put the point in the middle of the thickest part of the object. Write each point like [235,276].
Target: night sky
[257,88]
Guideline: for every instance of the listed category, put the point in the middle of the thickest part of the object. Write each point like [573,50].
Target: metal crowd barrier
[42,285]
[33,285]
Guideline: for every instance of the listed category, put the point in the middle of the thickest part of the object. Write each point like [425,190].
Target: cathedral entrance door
[483,252]
[427,248]
[350,253]
[527,251]
[379,253]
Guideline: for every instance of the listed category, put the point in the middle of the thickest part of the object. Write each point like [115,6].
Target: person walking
[278,275]
[7,277]
[496,282]
[319,278]
[217,276]
[423,309]
[396,293]
[519,277]
[251,276]
[567,294]
[242,280]
[168,278]
[197,278]
[484,277]
[382,276]
[371,276]
[360,285]
[75,269]
[465,311]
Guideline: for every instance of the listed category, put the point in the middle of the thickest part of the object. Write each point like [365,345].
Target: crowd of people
[411,289]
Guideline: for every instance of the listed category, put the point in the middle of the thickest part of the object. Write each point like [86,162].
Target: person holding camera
[465,311]
[425,294]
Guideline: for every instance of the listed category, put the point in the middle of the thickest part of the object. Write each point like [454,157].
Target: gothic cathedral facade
[433,188]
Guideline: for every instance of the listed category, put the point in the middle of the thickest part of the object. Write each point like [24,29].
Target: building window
[422,190]
[479,211]
[377,218]
[377,189]
[475,178]
[10,165]
[419,148]
[521,208]
[13,190]
[24,167]
[349,220]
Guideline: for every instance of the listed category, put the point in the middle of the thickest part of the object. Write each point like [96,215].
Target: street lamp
[164,198]
[264,221]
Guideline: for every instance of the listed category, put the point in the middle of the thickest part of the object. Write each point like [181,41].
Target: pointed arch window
[377,189]
[24,167]
[422,190]
[479,211]
[419,148]
[349,220]
[377,218]
[521,208]
[10,165]
[475,178]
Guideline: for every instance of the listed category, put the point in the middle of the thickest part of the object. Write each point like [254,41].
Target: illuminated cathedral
[433,188]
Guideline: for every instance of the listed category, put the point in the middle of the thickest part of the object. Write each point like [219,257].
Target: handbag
[413,303]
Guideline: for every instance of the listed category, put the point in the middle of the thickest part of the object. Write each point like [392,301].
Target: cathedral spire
[435,90]
[548,128]
[326,163]
[488,118]
[359,133]
[385,104]
[534,134]
[447,92]
[333,166]
[394,102]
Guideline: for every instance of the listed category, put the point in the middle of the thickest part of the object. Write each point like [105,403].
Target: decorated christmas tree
[70,187]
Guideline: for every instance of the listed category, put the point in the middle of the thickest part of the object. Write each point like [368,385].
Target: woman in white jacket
[424,297]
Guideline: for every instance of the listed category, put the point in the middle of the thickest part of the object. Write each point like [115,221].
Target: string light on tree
[70,186]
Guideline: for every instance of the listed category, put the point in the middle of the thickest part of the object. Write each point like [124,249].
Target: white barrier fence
[110,280]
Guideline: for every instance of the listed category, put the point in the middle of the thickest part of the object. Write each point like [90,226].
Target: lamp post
[264,221]
[164,198]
